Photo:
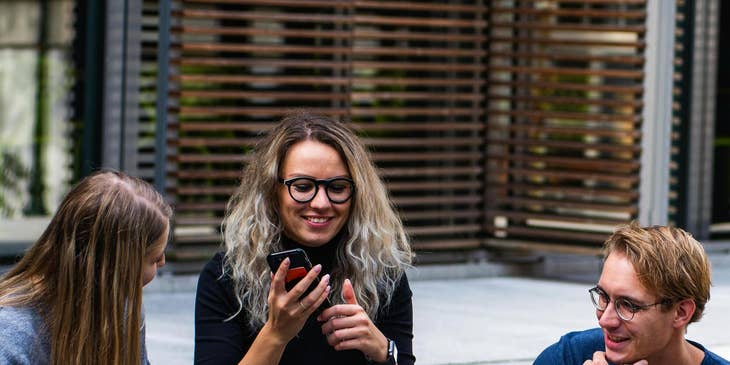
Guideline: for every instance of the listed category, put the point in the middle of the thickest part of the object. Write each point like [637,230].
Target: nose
[320,199]
[608,318]
[161,263]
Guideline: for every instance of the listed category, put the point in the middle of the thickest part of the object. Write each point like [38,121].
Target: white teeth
[317,219]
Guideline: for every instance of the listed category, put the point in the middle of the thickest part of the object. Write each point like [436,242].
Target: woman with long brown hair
[76,295]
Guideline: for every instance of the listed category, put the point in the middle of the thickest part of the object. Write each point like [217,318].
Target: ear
[683,313]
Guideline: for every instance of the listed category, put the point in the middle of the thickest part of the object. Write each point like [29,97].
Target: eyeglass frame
[632,307]
[317,182]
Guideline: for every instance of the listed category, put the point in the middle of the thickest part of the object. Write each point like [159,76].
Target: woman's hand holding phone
[348,327]
[288,313]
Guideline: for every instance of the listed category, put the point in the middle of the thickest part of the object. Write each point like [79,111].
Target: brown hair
[84,274]
[669,262]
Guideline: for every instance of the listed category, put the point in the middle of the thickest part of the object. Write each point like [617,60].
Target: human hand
[599,358]
[348,326]
[287,313]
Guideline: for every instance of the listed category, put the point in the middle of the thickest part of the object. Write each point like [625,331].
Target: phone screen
[298,268]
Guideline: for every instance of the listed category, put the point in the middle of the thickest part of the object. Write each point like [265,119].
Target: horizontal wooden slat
[551,204]
[427,156]
[558,174]
[537,41]
[419,22]
[569,57]
[563,100]
[554,86]
[277,95]
[261,32]
[579,27]
[359,96]
[441,214]
[554,234]
[521,215]
[259,48]
[538,114]
[312,17]
[259,62]
[418,6]
[409,35]
[598,13]
[450,229]
[584,131]
[429,142]
[402,202]
[629,74]
[586,192]
[404,112]
[577,163]
[442,244]
[564,145]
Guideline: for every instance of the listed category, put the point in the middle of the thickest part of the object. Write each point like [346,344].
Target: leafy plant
[12,174]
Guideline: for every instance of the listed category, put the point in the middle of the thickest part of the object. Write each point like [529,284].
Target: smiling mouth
[317,219]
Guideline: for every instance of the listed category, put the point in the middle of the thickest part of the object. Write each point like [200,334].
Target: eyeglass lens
[303,190]
[624,308]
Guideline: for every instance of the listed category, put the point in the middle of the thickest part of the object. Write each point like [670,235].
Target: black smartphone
[299,266]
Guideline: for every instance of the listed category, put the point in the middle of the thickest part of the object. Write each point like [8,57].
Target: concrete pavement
[460,316]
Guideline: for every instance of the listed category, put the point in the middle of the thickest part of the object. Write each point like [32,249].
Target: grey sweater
[24,339]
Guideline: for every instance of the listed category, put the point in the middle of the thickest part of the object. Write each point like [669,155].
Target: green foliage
[12,174]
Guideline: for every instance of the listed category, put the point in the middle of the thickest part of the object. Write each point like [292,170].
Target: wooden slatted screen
[563,119]
[239,66]
[498,122]
[409,75]
[418,95]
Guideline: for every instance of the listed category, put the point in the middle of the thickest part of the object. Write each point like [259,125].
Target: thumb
[348,292]
[642,362]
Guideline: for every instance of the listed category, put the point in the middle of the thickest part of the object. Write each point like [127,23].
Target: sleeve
[218,339]
[16,338]
[396,321]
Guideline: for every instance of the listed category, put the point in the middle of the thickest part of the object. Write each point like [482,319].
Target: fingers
[356,317]
[306,281]
[599,358]
[348,292]
[320,293]
[642,362]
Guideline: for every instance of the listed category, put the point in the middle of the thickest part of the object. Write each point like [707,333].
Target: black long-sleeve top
[220,342]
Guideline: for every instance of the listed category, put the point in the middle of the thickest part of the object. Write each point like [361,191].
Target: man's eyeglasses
[304,189]
[624,307]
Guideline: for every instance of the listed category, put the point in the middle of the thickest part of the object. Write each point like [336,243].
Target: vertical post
[702,118]
[163,49]
[657,114]
[163,59]
[40,131]
[122,61]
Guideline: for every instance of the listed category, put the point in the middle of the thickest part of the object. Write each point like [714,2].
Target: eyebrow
[630,299]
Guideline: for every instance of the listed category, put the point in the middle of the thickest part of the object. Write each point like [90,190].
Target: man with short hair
[655,282]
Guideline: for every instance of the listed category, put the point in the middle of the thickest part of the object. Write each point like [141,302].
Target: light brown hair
[669,262]
[84,274]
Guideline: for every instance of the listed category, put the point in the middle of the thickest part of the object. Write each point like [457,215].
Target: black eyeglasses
[304,189]
[624,307]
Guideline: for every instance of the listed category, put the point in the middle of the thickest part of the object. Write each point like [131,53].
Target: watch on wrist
[392,358]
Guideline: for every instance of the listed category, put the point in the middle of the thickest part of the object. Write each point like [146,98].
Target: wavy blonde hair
[84,274]
[668,261]
[375,250]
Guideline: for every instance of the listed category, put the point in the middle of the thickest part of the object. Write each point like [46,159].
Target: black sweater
[223,342]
